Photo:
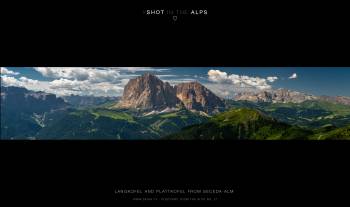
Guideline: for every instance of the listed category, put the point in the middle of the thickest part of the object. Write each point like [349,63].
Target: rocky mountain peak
[195,96]
[148,92]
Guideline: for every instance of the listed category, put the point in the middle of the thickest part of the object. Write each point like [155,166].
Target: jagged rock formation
[275,96]
[287,96]
[195,96]
[148,92]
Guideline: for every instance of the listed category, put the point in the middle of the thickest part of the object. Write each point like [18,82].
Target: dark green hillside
[342,133]
[116,124]
[312,114]
[96,124]
[243,123]
[23,111]
[168,123]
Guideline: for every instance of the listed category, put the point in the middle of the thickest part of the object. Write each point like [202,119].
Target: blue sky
[225,81]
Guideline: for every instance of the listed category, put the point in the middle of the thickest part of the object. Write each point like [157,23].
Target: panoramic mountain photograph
[175,103]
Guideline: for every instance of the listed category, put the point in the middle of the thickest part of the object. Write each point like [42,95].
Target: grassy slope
[241,123]
[238,123]
[313,114]
[171,122]
[96,124]
[101,123]
[342,133]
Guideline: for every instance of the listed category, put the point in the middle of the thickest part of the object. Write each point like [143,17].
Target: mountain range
[287,96]
[23,111]
[88,101]
[153,109]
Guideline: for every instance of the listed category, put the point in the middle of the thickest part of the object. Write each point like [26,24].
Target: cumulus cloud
[293,76]
[224,90]
[5,71]
[228,85]
[9,81]
[87,88]
[64,87]
[241,81]
[183,80]
[24,82]
[80,73]
[97,74]
[140,69]
[218,76]
[272,79]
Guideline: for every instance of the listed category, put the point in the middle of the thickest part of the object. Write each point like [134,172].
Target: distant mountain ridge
[287,96]
[336,99]
[87,101]
[17,98]
[23,111]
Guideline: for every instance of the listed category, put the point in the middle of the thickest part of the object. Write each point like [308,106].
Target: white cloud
[293,76]
[96,74]
[223,90]
[138,69]
[63,86]
[217,76]
[177,81]
[167,76]
[97,81]
[272,79]
[74,85]
[241,81]
[101,81]
[27,83]
[87,88]
[80,73]
[5,71]
[9,81]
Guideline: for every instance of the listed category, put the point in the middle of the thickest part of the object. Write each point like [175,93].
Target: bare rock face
[275,96]
[263,96]
[195,96]
[286,96]
[148,92]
